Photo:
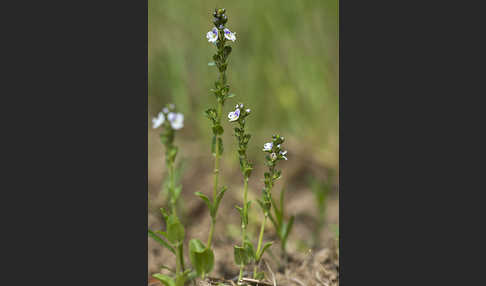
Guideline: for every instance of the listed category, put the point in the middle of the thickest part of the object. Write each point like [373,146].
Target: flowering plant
[171,121]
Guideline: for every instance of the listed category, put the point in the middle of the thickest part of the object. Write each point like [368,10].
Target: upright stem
[245,210]
[260,239]
[211,231]
[216,176]
[181,255]
[222,79]
[178,255]
[243,224]
[171,187]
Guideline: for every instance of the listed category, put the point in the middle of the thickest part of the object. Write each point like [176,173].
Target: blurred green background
[284,66]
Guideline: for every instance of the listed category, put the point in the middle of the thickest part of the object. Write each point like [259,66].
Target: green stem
[245,210]
[172,188]
[216,175]
[178,258]
[260,239]
[182,256]
[211,231]
[241,274]
[243,224]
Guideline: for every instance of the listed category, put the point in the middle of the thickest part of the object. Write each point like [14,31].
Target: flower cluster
[275,153]
[175,119]
[274,148]
[219,21]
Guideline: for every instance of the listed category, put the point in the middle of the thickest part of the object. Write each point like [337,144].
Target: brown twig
[256,282]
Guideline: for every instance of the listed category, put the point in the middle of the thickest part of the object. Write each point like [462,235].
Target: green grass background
[284,66]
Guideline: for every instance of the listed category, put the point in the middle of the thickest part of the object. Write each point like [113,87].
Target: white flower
[212,35]
[248,110]
[283,153]
[229,35]
[176,120]
[268,146]
[159,120]
[273,156]
[165,110]
[234,115]
[241,105]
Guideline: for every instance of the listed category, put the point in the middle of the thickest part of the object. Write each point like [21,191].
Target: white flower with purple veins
[176,120]
[268,146]
[212,35]
[283,153]
[234,115]
[229,35]
[159,120]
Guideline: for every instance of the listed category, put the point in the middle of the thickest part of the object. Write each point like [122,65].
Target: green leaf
[205,199]
[164,234]
[239,254]
[173,153]
[211,64]
[177,192]
[244,255]
[230,95]
[181,278]
[167,268]
[260,254]
[202,258]
[286,230]
[164,214]
[166,280]
[250,251]
[161,241]
[218,129]
[218,198]
[175,229]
